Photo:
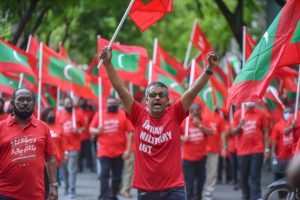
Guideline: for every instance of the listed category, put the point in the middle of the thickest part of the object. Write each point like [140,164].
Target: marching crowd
[164,151]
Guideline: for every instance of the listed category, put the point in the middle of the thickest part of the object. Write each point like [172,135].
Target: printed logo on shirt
[288,139]
[249,127]
[153,135]
[67,127]
[195,134]
[53,134]
[111,126]
[23,148]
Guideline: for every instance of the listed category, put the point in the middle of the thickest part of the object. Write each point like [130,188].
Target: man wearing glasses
[158,169]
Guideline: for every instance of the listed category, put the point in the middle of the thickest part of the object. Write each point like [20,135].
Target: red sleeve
[95,121]
[136,113]
[129,126]
[49,147]
[179,112]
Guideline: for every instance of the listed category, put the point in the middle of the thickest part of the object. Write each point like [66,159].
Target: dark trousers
[194,177]
[110,168]
[250,169]
[234,167]
[86,154]
[2,197]
[171,194]
[224,165]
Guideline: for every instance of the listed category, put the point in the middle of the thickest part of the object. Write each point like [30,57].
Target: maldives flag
[130,62]
[279,46]
[169,64]
[8,85]
[13,59]
[199,40]
[249,44]
[62,51]
[93,70]
[106,89]
[28,81]
[148,13]
[58,71]
[231,74]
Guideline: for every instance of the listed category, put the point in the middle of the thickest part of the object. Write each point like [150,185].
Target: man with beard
[3,115]
[72,126]
[158,170]
[25,145]
[112,146]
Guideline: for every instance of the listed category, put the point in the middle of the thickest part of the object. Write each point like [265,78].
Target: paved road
[88,188]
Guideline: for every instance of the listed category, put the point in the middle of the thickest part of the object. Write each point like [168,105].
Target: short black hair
[14,94]
[156,84]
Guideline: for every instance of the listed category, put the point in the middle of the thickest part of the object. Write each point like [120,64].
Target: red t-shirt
[112,140]
[251,138]
[297,150]
[195,147]
[22,158]
[214,141]
[55,132]
[296,130]
[70,140]
[157,157]
[284,143]
[3,116]
[87,118]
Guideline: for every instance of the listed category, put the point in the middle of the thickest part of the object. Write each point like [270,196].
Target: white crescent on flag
[66,72]
[266,36]
[120,56]
[17,56]
[205,93]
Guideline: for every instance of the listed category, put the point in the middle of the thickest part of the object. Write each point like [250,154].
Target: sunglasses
[159,94]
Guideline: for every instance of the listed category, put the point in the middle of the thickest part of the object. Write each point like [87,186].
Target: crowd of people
[164,151]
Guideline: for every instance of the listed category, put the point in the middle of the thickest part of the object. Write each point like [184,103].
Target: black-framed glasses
[159,94]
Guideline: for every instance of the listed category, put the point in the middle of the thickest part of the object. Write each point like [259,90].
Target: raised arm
[188,97]
[117,83]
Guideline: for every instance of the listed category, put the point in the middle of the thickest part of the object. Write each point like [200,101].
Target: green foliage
[77,24]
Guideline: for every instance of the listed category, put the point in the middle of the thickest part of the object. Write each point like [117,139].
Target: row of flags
[277,50]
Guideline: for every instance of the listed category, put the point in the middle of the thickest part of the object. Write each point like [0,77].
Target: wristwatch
[208,72]
[55,184]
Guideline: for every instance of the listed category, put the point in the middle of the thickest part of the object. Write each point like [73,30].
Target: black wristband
[208,72]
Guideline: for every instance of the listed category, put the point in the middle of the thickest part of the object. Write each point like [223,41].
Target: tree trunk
[235,20]
[24,20]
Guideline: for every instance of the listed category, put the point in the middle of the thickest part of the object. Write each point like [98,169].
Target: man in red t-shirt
[158,168]
[252,146]
[86,144]
[194,152]
[282,145]
[112,145]
[3,115]
[213,148]
[72,126]
[25,145]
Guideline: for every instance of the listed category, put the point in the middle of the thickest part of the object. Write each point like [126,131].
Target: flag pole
[22,74]
[188,51]
[150,72]
[57,98]
[243,111]
[73,111]
[187,121]
[100,100]
[297,96]
[117,30]
[40,81]
[244,46]
[154,51]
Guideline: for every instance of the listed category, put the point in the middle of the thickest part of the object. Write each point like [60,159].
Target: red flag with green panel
[279,46]
[169,64]
[130,62]
[58,71]
[8,85]
[249,45]
[13,59]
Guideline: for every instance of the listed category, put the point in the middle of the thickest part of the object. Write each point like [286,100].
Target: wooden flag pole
[40,82]
[187,121]
[117,30]
[297,96]
[188,51]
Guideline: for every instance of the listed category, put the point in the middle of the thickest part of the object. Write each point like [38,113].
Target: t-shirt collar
[11,120]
